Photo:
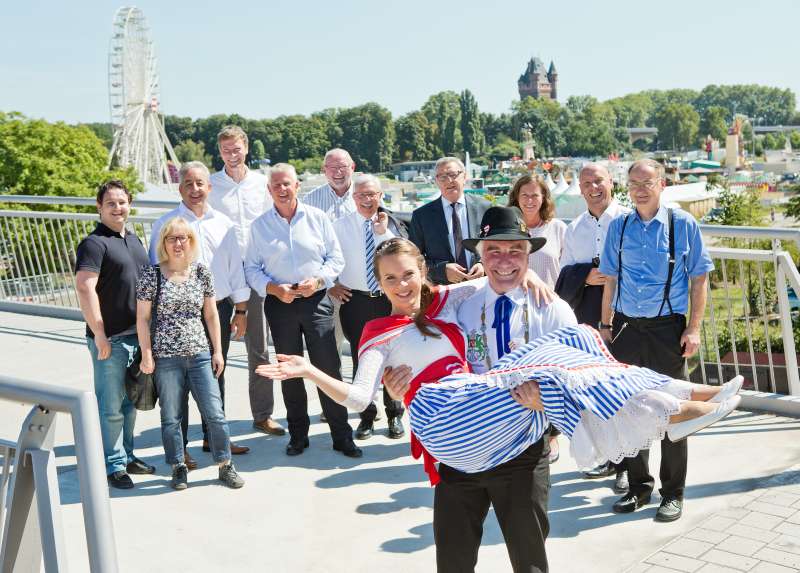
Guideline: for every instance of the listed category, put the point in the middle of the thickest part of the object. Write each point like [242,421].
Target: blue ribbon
[502,324]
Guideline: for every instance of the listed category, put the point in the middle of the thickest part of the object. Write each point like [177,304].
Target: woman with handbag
[182,291]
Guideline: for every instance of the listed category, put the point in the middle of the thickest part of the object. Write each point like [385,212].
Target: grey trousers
[262,400]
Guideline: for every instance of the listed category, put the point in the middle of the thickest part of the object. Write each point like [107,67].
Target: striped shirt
[326,200]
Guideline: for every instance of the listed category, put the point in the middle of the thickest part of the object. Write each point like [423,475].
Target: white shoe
[681,430]
[729,389]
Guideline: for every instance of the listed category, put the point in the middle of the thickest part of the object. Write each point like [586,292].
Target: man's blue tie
[502,324]
[372,282]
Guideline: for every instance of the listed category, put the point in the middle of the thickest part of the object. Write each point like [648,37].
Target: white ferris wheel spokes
[139,137]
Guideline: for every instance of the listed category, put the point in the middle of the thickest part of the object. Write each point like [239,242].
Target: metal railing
[29,536]
[748,327]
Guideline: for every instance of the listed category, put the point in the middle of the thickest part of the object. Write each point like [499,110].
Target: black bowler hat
[504,224]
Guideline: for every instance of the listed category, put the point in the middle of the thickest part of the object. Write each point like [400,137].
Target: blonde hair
[168,228]
[232,132]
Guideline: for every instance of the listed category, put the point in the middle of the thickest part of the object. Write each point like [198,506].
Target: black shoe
[364,430]
[621,482]
[601,471]
[120,480]
[396,429]
[137,466]
[349,449]
[296,448]
[631,502]
[671,509]
[180,475]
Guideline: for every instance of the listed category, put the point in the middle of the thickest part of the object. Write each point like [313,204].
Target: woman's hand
[217,364]
[147,364]
[397,381]
[288,366]
[542,294]
[527,395]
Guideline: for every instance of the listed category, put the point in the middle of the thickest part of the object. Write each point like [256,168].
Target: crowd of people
[454,315]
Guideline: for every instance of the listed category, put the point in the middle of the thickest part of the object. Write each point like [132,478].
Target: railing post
[787,331]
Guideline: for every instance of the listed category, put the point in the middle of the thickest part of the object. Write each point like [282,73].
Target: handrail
[83,201]
[82,405]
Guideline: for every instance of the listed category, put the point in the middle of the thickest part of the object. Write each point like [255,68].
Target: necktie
[369,237]
[460,254]
[502,324]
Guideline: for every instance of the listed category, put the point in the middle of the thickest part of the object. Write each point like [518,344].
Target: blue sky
[264,59]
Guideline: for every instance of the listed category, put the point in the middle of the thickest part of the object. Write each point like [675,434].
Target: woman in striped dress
[471,422]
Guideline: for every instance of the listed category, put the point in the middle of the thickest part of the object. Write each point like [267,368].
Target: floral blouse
[179,326]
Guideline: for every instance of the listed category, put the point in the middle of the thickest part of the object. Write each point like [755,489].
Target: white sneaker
[729,389]
[681,430]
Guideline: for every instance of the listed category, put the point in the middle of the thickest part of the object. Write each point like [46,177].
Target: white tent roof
[561,185]
[549,182]
[574,188]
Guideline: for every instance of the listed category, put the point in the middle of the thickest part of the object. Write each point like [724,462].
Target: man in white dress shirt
[241,194]
[335,198]
[219,251]
[292,257]
[580,281]
[357,288]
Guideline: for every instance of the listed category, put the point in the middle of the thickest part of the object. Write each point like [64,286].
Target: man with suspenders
[656,263]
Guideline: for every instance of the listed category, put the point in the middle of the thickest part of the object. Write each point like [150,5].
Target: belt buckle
[375,293]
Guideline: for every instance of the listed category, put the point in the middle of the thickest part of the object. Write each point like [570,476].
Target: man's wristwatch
[603,326]
[237,311]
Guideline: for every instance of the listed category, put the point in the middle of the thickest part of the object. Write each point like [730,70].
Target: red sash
[382,330]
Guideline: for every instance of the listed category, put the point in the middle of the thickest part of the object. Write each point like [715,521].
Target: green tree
[179,128]
[257,151]
[678,125]
[104,132]
[368,134]
[443,112]
[793,207]
[412,136]
[471,133]
[714,123]
[544,118]
[192,151]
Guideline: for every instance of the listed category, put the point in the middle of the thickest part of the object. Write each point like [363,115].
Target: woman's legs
[691,410]
[205,390]
[170,377]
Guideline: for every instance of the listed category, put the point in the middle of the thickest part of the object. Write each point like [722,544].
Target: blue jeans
[176,376]
[117,413]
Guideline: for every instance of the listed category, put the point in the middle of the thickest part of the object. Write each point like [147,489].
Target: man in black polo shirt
[107,266]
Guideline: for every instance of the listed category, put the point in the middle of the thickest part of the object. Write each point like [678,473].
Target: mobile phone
[295,286]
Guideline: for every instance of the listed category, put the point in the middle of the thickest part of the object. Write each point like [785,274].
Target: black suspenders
[670,268]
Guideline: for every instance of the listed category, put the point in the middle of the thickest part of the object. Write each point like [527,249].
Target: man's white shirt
[326,200]
[586,236]
[482,346]
[241,202]
[447,206]
[352,239]
[218,250]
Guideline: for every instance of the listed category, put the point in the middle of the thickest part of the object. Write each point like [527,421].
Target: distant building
[537,82]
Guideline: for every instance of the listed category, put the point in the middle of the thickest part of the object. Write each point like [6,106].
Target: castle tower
[552,77]
[536,81]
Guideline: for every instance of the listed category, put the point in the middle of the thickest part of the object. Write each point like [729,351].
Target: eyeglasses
[336,168]
[649,184]
[172,239]
[360,195]
[451,176]
[594,183]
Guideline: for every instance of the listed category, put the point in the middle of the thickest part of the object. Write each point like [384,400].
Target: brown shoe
[190,462]
[235,450]
[269,426]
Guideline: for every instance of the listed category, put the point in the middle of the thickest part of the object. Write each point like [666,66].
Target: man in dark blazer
[440,227]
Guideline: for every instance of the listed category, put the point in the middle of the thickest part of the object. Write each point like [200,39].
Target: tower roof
[552,68]
[535,66]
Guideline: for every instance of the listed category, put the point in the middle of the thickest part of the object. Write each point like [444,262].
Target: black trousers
[354,314]
[309,319]
[225,311]
[655,344]
[518,490]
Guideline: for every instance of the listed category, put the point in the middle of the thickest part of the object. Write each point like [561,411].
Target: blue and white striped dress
[609,410]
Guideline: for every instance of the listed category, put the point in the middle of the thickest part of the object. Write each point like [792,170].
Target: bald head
[595,183]
[339,168]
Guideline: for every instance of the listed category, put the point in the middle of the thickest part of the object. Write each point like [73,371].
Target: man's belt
[368,293]
[643,322]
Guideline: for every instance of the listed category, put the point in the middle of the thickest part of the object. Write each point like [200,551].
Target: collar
[517,296]
[298,213]
[246,175]
[189,215]
[361,218]
[107,231]
[462,201]
[347,194]
[661,216]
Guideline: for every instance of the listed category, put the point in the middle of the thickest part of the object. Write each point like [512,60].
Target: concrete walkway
[322,512]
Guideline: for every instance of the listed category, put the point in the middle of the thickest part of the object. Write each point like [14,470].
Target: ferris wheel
[139,137]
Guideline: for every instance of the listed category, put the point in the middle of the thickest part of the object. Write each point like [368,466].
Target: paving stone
[658,569]
[770,509]
[712,568]
[779,498]
[788,543]
[753,533]
[740,545]
[730,560]
[765,567]
[689,547]
[760,520]
[721,523]
[709,536]
[789,529]
[675,562]
[779,557]
[734,512]
[795,518]
[640,568]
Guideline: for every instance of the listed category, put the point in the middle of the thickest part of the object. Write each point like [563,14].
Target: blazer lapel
[440,224]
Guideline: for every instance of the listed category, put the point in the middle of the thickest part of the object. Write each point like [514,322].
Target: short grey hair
[655,165]
[445,160]
[337,151]
[283,168]
[188,166]
[482,243]
[593,165]
[366,179]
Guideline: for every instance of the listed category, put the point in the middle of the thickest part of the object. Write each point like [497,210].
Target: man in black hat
[498,317]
